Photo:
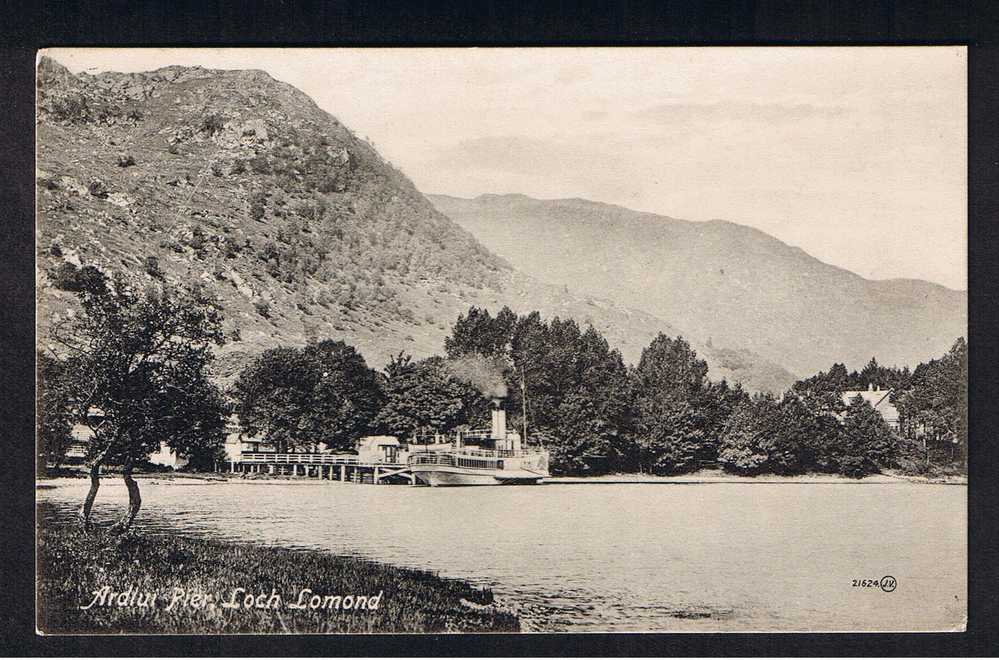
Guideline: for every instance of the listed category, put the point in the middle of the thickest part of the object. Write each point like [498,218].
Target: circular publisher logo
[888,584]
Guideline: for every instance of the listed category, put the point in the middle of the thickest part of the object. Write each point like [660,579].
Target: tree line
[134,368]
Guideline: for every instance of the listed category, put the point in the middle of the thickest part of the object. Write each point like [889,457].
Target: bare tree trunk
[95,484]
[134,499]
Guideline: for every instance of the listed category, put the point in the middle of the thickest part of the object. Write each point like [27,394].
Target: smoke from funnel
[484,374]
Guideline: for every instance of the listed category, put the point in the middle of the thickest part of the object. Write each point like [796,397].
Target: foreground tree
[52,409]
[139,377]
[298,398]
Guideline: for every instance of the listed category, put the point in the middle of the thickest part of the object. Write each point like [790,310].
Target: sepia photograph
[501,340]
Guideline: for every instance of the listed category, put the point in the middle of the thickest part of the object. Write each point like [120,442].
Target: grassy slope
[72,565]
[376,265]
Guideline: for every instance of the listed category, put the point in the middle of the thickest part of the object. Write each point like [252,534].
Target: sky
[855,155]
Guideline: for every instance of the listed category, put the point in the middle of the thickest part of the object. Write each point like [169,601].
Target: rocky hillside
[300,227]
[719,280]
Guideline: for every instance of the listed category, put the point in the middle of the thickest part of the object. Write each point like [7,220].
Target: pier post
[374,480]
[271,468]
[232,466]
[343,473]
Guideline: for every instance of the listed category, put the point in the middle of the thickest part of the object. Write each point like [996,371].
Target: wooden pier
[330,467]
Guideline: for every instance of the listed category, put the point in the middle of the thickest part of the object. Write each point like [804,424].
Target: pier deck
[332,467]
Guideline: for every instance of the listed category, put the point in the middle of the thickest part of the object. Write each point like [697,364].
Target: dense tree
[837,380]
[423,397]
[139,376]
[867,443]
[717,401]
[271,393]
[592,425]
[741,448]
[573,386]
[349,393]
[298,398]
[790,436]
[478,332]
[670,369]
[934,409]
[53,411]
[671,403]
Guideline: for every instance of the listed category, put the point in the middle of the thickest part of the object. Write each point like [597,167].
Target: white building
[879,400]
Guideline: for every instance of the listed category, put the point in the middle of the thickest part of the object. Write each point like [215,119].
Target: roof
[380,440]
[878,399]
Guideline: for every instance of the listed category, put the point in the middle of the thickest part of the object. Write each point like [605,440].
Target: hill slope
[734,284]
[297,225]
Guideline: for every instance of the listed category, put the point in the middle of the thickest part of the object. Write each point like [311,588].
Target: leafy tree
[717,402]
[573,386]
[835,382]
[741,448]
[139,376]
[423,397]
[53,410]
[298,398]
[478,332]
[670,383]
[790,435]
[935,408]
[671,436]
[670,369]
[592,426]
[867,442]
[271,393]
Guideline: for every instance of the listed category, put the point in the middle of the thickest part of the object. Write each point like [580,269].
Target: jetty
[332,467]
[376,459]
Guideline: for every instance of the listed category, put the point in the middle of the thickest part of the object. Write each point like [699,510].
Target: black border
[25,27]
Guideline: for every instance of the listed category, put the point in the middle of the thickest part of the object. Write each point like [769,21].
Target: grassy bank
[73,565]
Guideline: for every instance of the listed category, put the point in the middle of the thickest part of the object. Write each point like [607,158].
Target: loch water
[612,556]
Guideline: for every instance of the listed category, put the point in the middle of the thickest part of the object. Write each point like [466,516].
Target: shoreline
[721,477]
[707,476]
[170,583]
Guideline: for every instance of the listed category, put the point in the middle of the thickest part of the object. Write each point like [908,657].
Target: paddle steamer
[488,457]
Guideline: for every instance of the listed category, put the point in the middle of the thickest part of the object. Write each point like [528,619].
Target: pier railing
[298,459]
[465,451]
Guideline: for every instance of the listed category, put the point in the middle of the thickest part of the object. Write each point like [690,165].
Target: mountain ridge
[657,216]
[719,279]
[242,183]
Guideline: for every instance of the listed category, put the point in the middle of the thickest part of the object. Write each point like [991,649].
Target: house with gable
[879,400]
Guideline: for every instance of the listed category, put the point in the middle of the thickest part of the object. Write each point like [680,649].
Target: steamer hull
[450,476]
[458,468]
